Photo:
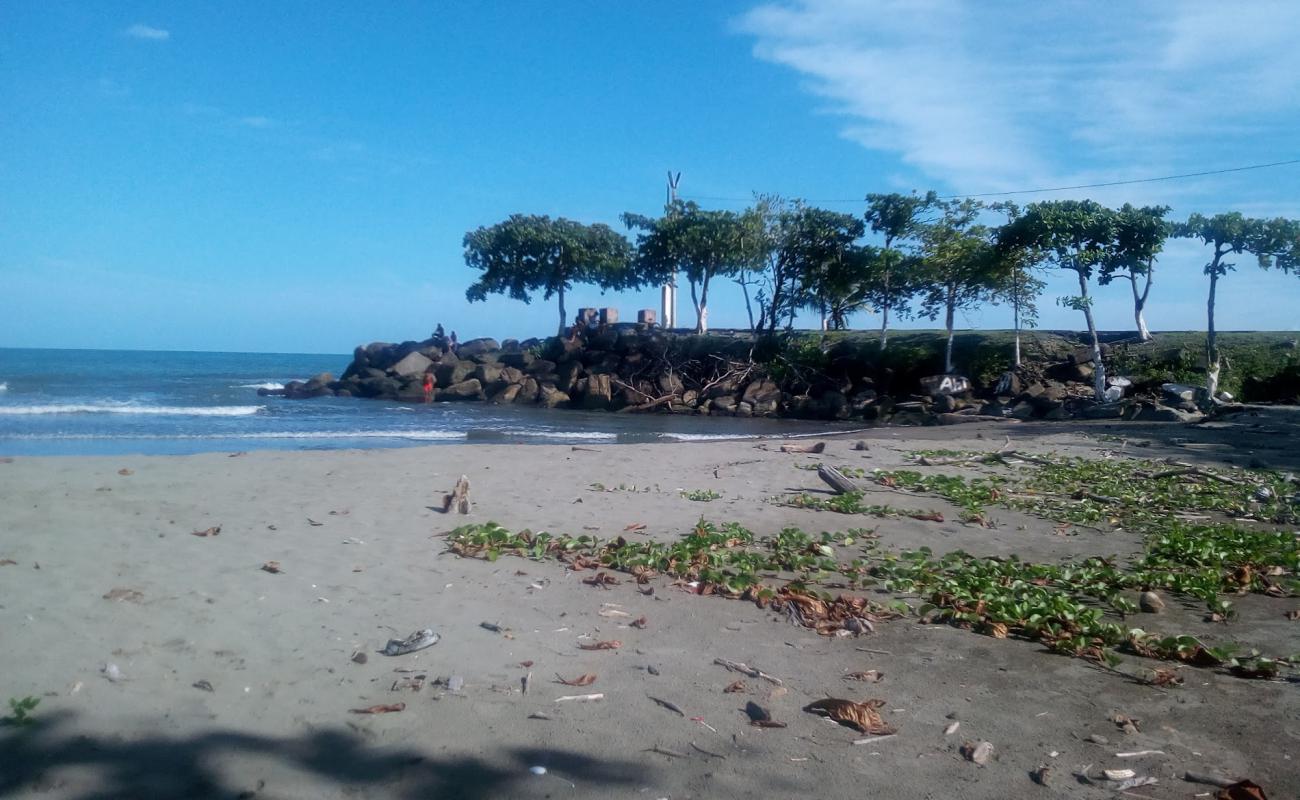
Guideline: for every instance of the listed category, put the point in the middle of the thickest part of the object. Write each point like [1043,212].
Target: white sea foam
[270,385]
[707,437]
[4,387]
[107,408]
[413,435]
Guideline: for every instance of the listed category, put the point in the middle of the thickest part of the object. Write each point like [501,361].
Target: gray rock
[506,395]
[550,396]
[469,389]
[411,364]
[938,385]
[476,347]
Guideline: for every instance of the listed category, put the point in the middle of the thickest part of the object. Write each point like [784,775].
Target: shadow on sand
[40,758]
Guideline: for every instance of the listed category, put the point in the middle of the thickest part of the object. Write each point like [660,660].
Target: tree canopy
[528,253]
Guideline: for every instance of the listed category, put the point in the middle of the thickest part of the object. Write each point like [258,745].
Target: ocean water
[111,402]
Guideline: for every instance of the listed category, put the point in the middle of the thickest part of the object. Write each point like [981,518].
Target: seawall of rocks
[635,368]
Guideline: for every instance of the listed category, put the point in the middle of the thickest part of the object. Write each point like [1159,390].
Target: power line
[1055,188]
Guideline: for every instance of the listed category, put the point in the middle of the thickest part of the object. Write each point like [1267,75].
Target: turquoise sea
[109,402]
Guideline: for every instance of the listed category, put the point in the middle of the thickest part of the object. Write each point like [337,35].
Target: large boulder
[569,373]
[540,366]
[528,391]
[506,395]
[477,347]
[550,396]
[490,375]
[450,374]
[599,392]
[411,364]
[469,389]
[939,385]
[669,382]
[761,390]
[517,359]
[384,387]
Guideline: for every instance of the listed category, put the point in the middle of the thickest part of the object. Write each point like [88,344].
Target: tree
[528,253]
[958,267]
[897,217]
[1140,235]
[1274,243]
[702,244]
[776,267]
[1074,235]
[1016,283]
[831,267]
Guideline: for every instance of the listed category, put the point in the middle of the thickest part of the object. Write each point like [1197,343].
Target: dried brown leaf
[213,531]
[602,579]
[862,716]
[732,688]
[581,680]
[525,664]
[927,516]
[125,471]
[1241,790]
[272,567]
[639,623]
[635,526]
[7,562]
[871,676]
[612,644]
[1293,614]
[385,708]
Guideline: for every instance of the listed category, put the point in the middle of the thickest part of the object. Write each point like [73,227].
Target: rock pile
[639,368]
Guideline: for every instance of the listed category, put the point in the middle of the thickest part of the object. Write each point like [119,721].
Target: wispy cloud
[984,98]
[147,32]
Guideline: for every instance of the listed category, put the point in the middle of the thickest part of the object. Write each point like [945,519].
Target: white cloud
[990,98]
[147,32]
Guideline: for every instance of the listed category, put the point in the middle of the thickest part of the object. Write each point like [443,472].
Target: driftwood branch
[835,479]
[1188,469]
[736,666]
[458,500]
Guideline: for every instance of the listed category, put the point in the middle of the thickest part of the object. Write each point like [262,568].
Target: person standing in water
[429,382]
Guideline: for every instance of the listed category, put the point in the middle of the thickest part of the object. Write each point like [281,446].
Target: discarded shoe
[416,641]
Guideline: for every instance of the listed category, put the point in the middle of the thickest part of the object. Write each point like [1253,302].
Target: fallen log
[836,480]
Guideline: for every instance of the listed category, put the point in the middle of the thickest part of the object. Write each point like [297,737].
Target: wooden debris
[581,698]
[671,706]
[385,708]
[458,500]
[835,479]
[820,447]
[736,666]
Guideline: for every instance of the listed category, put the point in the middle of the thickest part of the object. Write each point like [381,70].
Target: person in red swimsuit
[428,386]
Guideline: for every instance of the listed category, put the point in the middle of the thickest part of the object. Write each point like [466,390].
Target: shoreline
[363,559]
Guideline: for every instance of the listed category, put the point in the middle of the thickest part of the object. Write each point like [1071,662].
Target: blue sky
[298,176]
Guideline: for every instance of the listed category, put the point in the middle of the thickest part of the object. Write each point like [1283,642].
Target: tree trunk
[699,310]
[1015,364]
[1139,303]
[1015,311]
[702,324]
[1212,362]
[884,307]
[564,317]
[947,356]
[749,309]
[1098,368]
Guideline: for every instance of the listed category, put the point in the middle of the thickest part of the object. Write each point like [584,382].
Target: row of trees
[934,257]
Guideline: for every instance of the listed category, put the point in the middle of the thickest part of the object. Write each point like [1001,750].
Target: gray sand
[277,649]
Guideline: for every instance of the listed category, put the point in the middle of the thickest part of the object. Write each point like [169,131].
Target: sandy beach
[232,681]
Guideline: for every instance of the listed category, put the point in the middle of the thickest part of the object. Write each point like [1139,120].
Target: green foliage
[702,244]
[20,711]
[529,253]
[702,495]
